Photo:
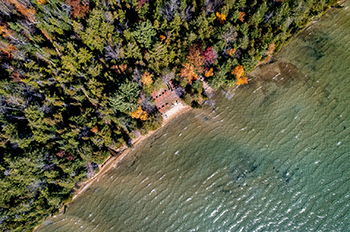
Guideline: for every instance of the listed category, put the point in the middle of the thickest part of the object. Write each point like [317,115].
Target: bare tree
[186,14]
[137,77]
[169,9]
[211,6]
[229,36]
[114,52]
[147,105]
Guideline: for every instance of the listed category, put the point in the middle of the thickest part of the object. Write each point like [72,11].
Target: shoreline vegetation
[80,79]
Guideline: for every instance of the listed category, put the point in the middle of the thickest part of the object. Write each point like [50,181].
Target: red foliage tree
[141,2]
[209,56]
[70,157]
[61,154]
[16,76]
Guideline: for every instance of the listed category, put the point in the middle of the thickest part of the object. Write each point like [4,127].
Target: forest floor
[113,161]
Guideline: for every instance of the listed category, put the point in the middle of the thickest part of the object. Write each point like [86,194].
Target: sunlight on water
[272,155]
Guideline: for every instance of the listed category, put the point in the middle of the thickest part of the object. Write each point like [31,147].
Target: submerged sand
[112,161]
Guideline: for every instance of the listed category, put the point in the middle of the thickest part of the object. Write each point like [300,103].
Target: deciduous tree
[221,18]
[147,78]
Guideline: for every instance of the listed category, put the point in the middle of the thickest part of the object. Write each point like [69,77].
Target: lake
[273,155]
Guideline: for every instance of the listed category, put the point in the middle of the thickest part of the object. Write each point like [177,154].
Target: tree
[221,18]
[147,78]
[144,33]
[229,35]
[195,58]
[79,9]
[188,71]
[141,2]
[210,6]
[239,72]
[241,16]
[124,99]
[209,73]
[209,56]
[139,114]
[170,9]
[231,51]
[132,50]
[7,50]
[153,122]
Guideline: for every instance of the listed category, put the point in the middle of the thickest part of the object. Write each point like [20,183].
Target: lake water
[273,155]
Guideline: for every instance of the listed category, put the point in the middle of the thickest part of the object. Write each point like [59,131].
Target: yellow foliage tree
[139,114]
[146,78]
[221,17]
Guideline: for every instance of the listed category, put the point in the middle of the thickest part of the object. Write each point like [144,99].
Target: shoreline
[112,161]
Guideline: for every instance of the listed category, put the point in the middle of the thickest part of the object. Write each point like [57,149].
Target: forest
[76,79]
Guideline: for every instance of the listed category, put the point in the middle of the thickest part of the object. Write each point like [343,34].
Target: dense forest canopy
[76,79]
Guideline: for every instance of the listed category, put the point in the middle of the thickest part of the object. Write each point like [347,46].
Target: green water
[270,156]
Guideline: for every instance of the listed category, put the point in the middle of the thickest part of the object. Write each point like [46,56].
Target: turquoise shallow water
[270,156]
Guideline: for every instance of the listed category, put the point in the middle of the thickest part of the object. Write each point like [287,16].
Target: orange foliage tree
[79,9]
[146,78]
[120,69]
[139,114]
[195,64]
[242,80]
[241,16]
[239,72]
[231,51]
[6,32]
[221,18]
[16,76]
[7,49]
[269,53]
[162,37]
[94,129]
[26,11]
[209,73]
[188,71]
[195,58]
